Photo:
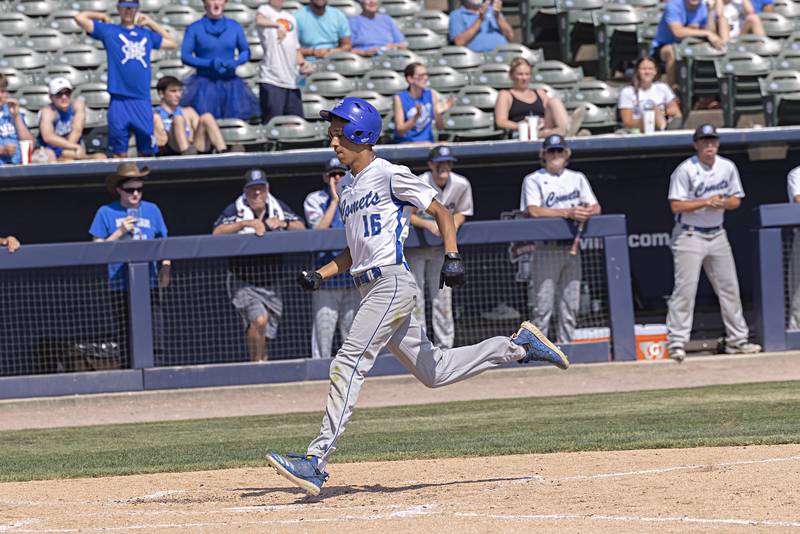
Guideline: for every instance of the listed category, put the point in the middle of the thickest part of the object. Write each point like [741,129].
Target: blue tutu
[224,99]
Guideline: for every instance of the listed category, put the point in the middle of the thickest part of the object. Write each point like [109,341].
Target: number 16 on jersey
[372,224]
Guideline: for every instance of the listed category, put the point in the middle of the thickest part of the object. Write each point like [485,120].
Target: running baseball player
[793,185]
[375,199]
[700,190]
[556,191]
[337,299]
[454,192]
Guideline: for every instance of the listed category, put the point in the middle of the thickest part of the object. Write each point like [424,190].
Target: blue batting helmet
[363,120]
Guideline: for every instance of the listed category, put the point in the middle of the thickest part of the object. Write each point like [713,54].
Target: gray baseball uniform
[700,242]
[426,262]
[375,206]
[554,272]
[793,186]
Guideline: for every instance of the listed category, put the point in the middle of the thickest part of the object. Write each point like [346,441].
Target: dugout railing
[604,252]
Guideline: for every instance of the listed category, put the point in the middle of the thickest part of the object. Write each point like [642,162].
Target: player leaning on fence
[700,190]
[556,191]
[376,198]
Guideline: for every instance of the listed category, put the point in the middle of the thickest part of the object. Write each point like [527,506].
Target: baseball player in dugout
[793,186]
[700,190]
[556,191]
[454,192]
[375,201]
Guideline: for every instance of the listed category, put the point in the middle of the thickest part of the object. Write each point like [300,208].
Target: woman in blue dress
[417,107]
[215,45]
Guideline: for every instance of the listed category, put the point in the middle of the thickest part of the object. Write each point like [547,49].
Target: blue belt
[701,229]
[367,276]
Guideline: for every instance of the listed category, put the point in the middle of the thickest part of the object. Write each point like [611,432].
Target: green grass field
[766,413]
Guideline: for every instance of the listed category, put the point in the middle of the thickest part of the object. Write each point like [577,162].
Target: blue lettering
[348,209]
[552,199]
[704,189]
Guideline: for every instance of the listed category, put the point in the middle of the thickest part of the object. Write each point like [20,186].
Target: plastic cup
[524,131]
[649,121]
[25,149]
[533,126]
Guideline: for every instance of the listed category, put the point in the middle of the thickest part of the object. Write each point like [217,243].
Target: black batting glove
[309,280]
[453,273]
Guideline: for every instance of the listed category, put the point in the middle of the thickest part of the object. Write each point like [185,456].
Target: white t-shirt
[658,95]
[279,64]
[567,190]
[793,183]
[456,195]
[375,206]
[692,180]
[733,12]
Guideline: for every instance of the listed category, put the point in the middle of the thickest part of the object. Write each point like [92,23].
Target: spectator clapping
[13,128]
[373,32]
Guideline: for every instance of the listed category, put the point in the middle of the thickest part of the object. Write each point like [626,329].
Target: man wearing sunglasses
[61,124]
[338,298]
[555,280]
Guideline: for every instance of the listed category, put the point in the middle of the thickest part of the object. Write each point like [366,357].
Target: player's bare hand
[164,275]
[12,244]
[433,228]
[281,33]
[129,224]
[497,5]
[258,226]
[332,191]
[7,150]
[418,112]
[716,202]
[580,213]
[715,40]
[275,224]
[483,9]
[306,68]
[13,106]
[143,20]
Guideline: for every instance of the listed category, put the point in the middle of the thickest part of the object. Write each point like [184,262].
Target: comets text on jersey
[370,199]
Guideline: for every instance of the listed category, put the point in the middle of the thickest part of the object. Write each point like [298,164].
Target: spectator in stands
[480,25]
[337,300]
[416,108]
[11,243]
[130,218]
[322,30]
[128,46]
[281,64]
[179,129]
[255,211]
[520,101]
[61,124]
[454,192]
[215,45]
[373,32]
[681,19]
[765,6]
[556,191]
[13,127]
[732,18]
[645,93]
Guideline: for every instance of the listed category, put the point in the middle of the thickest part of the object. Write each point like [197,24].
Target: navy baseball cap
[335,165]
[441,153]
[705,131]
[554,142]
[255,177]
[128,4]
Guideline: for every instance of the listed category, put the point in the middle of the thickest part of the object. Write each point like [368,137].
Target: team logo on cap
[257,175]
[553,139]
[707,129]
[444,151]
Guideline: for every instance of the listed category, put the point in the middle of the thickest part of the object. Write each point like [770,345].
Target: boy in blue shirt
[128,47]
[480,26]
[13,128]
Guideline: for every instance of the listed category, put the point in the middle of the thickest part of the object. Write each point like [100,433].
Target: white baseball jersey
[567,190]
[456,195]
[692,180]
[375,206]
[793,183]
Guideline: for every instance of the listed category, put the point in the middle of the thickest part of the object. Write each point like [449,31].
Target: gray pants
[691,252]
[426,265]
[555,281]
[330,306]
[794,281]
[385,318]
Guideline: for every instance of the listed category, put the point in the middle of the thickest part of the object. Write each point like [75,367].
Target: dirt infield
[725,489]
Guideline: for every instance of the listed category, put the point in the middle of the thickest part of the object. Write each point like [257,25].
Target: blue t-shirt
[374,33]
[8,135]
[423,128]
[321,32]
[167,117]
[128,57]
[759,5]
[675,11]
[488,37]
[149,225]
[208,39]
[62,126]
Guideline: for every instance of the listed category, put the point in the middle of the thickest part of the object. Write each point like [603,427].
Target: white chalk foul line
[633,519]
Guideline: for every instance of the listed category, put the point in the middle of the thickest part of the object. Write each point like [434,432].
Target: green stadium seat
[45,40]
[13,24]
[88,5]
[596,119]
[63,20]
[34,97]
[152,6]
[351,8]
[173,67]
[96,139]
[247,71]
[575,24]
[421,39]
[396,59]
[508,52]
[387,129]
[313,103]
[468,123]
[256,50]
[774,87]
[595,92]
[76,77]
[22,58]
[345,63]
[788,59]
[35,8]
[289,131]
[81,56]
[494,75]
[329,84]
[239,132]
[616,37]
[757,44]
[447,79]
[382,103]
[240,13]
[434,20]
[289,5]
[738,74]
[697,74]
[643,5]
[776,25]
[456,57]
[538,21]
[646,31]
[178,16]
[95,95]
[482,97]
[787,8]
[557,74]
[385,82]
[400,9]
[95,118]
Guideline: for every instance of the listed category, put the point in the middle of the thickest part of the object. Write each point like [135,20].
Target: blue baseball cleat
[300,469]
[538,347]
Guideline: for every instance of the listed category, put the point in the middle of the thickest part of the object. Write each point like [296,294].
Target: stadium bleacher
[39,40]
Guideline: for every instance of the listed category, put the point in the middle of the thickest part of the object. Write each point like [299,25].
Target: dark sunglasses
[132,190]
[65,92]
[336,173]
[555,150]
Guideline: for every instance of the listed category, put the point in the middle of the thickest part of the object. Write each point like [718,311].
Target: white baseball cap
[57,85]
